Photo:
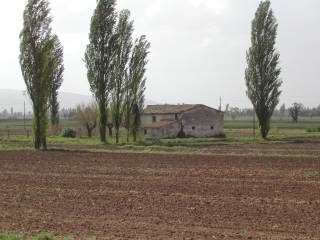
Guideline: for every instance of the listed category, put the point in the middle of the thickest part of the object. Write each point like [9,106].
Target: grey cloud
[198,47]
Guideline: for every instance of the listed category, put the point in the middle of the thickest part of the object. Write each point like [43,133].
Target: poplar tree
[123,49]
[137,78]
[36,56]
[263,71]
[57,79]
[99,57]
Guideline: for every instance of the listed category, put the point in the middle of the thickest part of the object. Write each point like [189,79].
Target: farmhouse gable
[194,120]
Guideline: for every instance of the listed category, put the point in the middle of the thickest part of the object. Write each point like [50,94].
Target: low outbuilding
[190,120]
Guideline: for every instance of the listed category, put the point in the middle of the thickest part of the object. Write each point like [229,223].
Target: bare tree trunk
[128,130]
[44,143]
[89,132]
[37,130]
[43,122]
[103,123]
[117,135]
[110,130]
[134,134]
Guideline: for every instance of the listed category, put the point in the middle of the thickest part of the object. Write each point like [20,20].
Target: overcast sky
[198,47]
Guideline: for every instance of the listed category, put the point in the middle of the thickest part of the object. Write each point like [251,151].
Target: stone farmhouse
[170,121]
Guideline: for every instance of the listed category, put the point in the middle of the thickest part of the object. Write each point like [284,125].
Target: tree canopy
[39,50]
[263,71]
[99,57]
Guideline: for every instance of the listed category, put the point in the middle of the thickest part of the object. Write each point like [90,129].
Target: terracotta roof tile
[172,109]
[168,109]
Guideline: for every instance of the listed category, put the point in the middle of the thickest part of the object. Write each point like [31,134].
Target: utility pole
[220,106]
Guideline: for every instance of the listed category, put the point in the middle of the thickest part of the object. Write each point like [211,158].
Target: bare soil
[146,196]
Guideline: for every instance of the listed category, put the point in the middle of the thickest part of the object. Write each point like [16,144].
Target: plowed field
[146,196]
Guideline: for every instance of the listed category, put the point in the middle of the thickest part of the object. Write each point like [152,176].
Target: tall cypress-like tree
[263,71]
[35,59]
[99,58]
[137,78]
[135,87]
[123,49]
[57,79]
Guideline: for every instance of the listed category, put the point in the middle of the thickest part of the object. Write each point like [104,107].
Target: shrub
[222,135]
[69,133]
[181,134]
[313,130]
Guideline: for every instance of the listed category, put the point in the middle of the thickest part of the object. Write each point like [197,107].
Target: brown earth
[307,149]
[144,196]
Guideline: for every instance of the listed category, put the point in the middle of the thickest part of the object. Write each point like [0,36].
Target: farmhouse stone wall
[170,131]
[148,119]
[199,121]
[203,122]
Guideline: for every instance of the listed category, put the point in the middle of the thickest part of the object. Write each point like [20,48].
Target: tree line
[116,66]
[116,69]
[292,112]
[115,62]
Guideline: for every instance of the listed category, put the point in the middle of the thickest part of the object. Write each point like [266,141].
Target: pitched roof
[168,109]
[172,109]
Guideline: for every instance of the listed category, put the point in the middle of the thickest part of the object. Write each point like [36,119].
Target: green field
[304,124]
[248,124]
[237,131]
[19,124]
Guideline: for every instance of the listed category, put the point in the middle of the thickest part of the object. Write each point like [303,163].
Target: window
[176,116]
[193,128]
[154,119]
[212,127]
[145,132]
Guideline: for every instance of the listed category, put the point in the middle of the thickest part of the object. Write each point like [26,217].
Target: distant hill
[15,98]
